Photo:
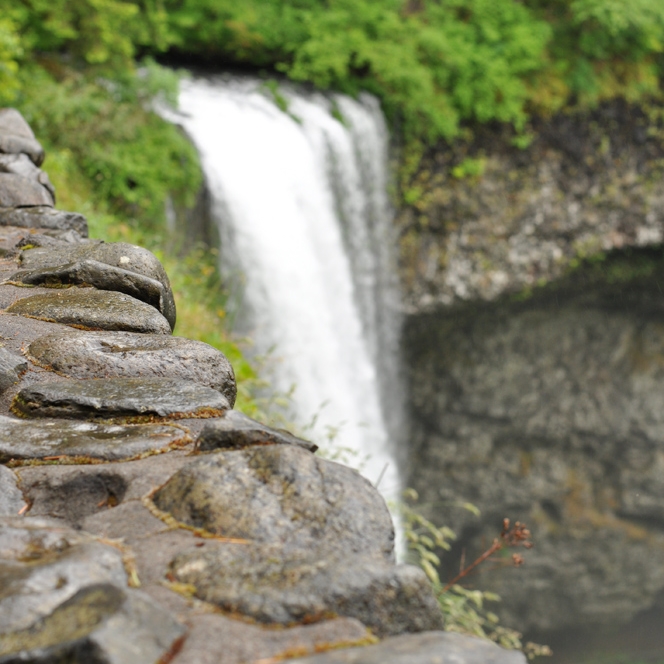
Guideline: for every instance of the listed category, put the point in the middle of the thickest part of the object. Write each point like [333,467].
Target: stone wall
[142,519]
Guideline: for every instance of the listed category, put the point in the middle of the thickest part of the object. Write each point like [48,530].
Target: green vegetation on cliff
[434,63]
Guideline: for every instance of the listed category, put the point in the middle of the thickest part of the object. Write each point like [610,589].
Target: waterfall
[299,190]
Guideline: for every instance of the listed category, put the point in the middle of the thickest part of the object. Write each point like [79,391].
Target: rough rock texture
[119,397]
[117,266]
[100,624]
[11,497]
[235,430]
[281,493]
[112,354]
[550,411]
[88,308]
[319,540]
[428,648]
[45,218]
[53,439]
[44,555]
[11,366]
[276,586]
[588,183]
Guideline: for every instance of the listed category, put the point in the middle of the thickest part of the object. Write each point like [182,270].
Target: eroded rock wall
[550,410]
[488,218]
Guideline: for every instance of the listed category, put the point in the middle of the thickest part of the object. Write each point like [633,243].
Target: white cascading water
[300,197]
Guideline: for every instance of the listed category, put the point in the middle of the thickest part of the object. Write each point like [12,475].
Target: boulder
[119,397]
[234,430]
[88,308]
[282,493]
[270,585]
[115,354]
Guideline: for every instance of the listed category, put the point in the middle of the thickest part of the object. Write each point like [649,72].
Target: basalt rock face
[488,219]
[141,521]
[533,346]
[550,410]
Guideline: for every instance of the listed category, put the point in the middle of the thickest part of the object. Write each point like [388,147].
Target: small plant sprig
[514,536]
[464,609]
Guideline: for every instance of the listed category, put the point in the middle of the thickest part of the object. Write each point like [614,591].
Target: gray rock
[264,582]
[21,164]
[42,564]
[11,367]
[11,497]
[54,238]
[234,430]
[101,276]
[114,354]
[17,137]
[20,439]
[319,540]
[428,648]
[76,263]
[93,309]
[19,191]
[44,217]
[119,397]
[282,493]
[12,122]
[216,639]
[100,624]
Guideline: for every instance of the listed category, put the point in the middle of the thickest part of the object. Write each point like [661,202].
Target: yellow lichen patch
[174,524]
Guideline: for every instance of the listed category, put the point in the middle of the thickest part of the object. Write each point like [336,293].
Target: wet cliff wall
[533,348]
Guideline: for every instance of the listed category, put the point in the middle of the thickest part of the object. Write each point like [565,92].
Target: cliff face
[490,219]
[545,406]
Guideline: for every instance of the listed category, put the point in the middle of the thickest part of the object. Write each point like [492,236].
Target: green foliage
[134,158]
[464,610]
[439,63]
[10,51]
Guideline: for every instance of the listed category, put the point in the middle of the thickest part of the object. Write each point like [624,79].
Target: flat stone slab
[428,648]
[276,587]
[89,308]
[234,430]
[16,191]
[11,367]
[114,354]
[281,493]
[108,266]
[43,563]
[100,624]
[44,217]
[21,439]
[119,397]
